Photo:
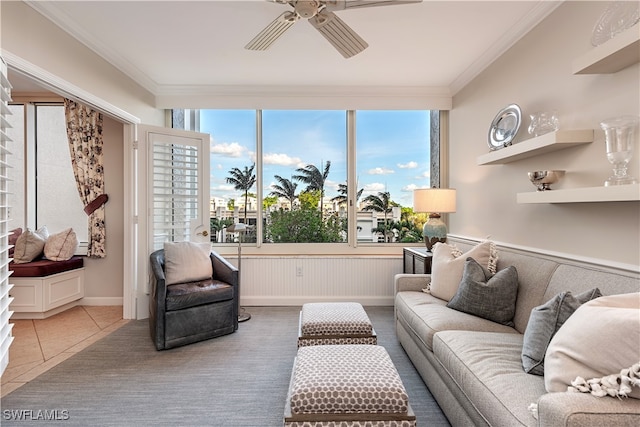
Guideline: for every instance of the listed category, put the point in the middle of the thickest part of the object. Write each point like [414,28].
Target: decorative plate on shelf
[617,17]
[505,127]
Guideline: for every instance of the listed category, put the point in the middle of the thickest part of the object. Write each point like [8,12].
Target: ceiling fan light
[306,8]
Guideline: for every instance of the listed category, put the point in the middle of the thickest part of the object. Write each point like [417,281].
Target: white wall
[33,38]
[103,282]
[536,74]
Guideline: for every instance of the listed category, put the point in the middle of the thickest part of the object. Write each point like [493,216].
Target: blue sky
[392,148]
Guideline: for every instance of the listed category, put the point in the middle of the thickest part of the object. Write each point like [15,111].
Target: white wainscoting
[275,280]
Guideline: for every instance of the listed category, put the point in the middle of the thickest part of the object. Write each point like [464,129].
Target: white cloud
[380,171]
[409,187]
[410,165]
[374,187]
[227,149]
[281,159]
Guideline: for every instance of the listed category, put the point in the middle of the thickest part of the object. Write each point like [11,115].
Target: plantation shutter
[5,298]
[179,187]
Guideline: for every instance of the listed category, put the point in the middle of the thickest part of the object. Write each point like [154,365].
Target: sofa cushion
[544,322]
[30,245]
[61,246]
[487,295]
[601,338]
[487,367]
[187,262]
[192,294]
[427,315]
[447,265]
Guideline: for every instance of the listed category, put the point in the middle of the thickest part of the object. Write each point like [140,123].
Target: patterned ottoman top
[335,318]
[346,379]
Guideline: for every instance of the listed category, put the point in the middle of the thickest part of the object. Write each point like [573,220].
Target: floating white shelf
[611,56]
[546,143]
[616,193]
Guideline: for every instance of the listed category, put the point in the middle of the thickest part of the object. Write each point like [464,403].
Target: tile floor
[41,344]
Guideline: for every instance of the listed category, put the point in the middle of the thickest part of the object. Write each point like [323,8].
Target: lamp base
[434,231]
[243,315]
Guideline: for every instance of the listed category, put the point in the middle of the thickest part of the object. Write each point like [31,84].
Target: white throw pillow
[61,246]
[447,266]
[30,245]
[186,262]
[601,338]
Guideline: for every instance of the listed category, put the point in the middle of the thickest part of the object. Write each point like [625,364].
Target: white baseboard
[101,301]
[267,301]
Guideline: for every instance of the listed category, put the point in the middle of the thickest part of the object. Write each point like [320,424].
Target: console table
[416,260]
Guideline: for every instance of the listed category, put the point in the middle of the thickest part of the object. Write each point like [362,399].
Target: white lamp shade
[238,227]
[434,200]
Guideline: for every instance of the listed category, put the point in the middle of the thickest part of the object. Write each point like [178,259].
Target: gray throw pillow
[487,295]
[544,322]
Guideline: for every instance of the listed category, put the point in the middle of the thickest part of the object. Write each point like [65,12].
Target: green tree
[285,188]
[314,179]
[303,226]
[309,200]
[342,197]
[243,180]
[217,225]
[380,203]
[267,202]
[231,204]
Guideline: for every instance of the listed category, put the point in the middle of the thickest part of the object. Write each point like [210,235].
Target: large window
[44,188]
[316,176]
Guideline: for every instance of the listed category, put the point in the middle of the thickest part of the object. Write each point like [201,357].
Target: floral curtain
[84,132]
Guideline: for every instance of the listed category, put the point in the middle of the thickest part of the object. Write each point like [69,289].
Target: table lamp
[434,201]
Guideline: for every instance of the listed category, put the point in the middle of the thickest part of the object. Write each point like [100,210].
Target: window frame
[438,172]
[29,103]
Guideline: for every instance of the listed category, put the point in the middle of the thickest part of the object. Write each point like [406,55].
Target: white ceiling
[173,46]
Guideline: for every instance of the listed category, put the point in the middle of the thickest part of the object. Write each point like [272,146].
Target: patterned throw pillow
[13,238]
[30,245]
[487,295]
[544,322]
[61,246]
[186,262]
[447,265]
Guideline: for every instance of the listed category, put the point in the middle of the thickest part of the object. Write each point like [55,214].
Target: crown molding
[518,30]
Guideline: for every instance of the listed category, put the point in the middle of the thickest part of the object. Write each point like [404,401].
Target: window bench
[43,288]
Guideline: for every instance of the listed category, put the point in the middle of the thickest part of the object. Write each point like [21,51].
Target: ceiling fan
[320,15]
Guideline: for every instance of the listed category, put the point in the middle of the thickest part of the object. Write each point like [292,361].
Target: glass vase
[620,135]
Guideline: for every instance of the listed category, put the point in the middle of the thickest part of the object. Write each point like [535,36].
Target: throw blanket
[616,385]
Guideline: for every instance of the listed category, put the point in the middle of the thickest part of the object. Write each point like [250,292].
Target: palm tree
[342,194]
[286,188]
[314,179]
[379,203]
[243,181]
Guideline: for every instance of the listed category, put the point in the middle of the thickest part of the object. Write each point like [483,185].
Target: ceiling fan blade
[354,4]
[339,34]
[273,31]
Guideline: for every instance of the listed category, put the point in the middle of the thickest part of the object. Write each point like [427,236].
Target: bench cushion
[346,379]
[45,267]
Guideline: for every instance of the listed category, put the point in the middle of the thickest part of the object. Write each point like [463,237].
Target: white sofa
[473,366]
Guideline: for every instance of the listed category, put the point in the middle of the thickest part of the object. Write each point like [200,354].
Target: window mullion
[352,181]
[259,179]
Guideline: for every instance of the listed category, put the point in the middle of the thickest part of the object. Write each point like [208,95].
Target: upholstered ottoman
[334,323]
[346,385]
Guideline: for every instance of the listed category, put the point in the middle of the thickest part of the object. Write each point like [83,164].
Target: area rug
[236,380]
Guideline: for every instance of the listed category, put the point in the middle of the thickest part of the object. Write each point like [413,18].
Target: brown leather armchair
[184,313]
